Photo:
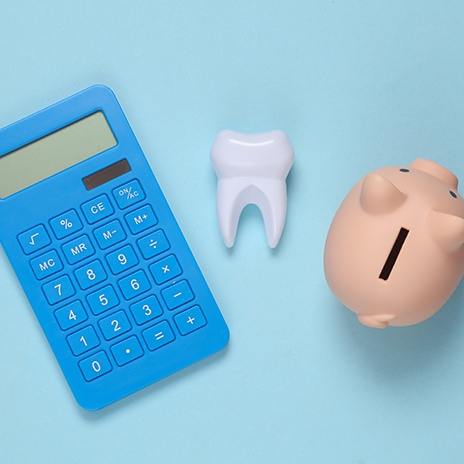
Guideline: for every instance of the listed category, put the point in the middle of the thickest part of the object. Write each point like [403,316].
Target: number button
[142,219]
[83,341]
[166,269]
[190,320]
[128,194]
[126,351]
[78,249]
[102,300]
[154,244]
[146,310]
[177,294]
[90,275]
[34,239]
[97,209]
[122,259]
[134,285]
[110,234]
[59,290]
[115,325]
[46,265]
[95,366]
[158,335]
[66,224]
[71,315]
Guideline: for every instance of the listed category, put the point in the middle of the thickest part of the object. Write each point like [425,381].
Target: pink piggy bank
[394,251]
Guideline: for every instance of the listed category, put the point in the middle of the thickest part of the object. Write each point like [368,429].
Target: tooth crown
[252,169]
[269,154]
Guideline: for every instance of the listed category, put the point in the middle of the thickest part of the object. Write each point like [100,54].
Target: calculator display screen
[55,152]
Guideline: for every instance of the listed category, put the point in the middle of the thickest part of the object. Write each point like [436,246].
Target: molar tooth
[252,169]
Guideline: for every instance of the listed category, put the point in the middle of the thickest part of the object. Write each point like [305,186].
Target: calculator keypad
[116,287]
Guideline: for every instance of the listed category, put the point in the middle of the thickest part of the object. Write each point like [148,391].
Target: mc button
[46,265]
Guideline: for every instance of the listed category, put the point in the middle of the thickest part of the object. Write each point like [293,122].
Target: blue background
[356,85]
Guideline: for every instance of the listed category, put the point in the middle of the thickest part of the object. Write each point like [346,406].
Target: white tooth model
[252,169]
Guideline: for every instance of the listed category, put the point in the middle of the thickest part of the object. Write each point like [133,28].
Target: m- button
[97,209]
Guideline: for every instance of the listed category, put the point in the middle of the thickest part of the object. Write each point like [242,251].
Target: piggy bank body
[394,252]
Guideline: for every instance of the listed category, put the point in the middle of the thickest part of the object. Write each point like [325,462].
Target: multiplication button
[128,194]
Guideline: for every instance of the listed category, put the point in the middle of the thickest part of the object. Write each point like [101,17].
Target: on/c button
[97,209]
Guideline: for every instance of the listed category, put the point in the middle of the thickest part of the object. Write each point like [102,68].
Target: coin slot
[394,253]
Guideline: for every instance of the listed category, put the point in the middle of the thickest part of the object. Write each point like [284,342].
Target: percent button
[66,224]
[128,194]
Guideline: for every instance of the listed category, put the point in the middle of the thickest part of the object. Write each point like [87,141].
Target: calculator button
[134,285]
[158,335]
[146,310]
[153,244]
[77,250]
[71,315]
[128,194]
[165,269]
[90,275]
[126,351]
[97,209]
[190,320]
[141,220]
[66,224]
[110,234]
[83,341]
[122,259]
[95,366]
[177,294]
[102,300]
[46,265]
[34,239]
[115,325]
[58,290]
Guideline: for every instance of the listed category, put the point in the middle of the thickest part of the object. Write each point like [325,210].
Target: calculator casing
[47,199]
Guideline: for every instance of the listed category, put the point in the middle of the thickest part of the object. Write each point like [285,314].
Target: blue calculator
[98,251]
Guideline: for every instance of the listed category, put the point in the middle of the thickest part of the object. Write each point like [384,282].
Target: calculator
[98,251]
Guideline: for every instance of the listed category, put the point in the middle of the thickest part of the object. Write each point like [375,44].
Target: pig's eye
[404,170]
[453,194]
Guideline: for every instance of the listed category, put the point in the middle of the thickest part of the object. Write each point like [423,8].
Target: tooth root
[252,169]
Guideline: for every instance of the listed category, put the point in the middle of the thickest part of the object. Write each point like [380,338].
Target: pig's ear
[446,229]
[379,195]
